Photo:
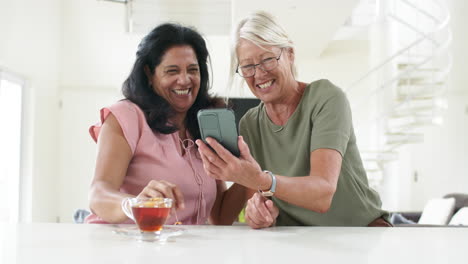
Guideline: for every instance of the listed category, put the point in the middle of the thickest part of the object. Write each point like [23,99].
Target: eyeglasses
[267,64]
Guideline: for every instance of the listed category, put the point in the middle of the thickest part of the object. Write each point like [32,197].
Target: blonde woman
[297,146]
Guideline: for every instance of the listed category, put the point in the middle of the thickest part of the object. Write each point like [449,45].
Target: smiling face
[269,86]
[177,78]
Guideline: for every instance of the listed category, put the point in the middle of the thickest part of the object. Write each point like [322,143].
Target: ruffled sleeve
[130,118]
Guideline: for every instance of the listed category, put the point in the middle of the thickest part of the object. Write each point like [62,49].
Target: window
[11,93]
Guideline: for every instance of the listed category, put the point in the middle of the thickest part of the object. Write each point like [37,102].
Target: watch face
[267,194]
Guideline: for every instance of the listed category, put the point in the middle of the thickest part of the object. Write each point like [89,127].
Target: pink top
[158,157]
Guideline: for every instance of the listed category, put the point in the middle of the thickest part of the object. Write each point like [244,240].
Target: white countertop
[81,243]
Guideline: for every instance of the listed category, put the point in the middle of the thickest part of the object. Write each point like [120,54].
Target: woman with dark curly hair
[145,142]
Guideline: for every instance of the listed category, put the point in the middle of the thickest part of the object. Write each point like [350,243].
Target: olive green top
[321,120]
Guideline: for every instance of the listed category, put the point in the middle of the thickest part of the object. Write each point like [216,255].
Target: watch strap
[272,190]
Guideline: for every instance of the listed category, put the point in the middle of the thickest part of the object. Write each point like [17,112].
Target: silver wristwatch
[272,190]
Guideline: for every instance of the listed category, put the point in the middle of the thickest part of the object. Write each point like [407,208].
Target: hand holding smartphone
[220,124]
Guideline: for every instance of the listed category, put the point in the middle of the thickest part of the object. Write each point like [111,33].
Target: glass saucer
[135,233]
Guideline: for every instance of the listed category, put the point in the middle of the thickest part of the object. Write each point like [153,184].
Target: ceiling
[312,24]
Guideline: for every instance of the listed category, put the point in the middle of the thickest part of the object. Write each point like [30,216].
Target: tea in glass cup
[149,214]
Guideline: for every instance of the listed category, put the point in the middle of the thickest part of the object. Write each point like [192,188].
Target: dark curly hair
[136,87]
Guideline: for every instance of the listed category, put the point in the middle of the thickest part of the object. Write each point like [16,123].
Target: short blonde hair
[263,30]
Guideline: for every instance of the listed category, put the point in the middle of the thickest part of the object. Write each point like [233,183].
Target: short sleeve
[130,119]
[332,124]
[243,130]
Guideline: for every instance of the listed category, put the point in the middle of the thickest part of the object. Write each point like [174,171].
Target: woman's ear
[148,74]
[291,55]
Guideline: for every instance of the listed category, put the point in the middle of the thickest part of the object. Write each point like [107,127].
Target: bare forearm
[310,192]
[230,205]
[315,191]
[106,202]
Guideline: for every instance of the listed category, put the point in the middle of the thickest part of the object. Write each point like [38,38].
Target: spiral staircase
[411,82]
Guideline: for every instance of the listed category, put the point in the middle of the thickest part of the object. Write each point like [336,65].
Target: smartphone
[220,124]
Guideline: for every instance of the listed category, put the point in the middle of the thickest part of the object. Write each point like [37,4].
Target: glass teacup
[149,214]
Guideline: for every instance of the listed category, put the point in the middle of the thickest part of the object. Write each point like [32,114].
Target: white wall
[29,41]
[96,50]
[96,55]
[439,165]
[80,109]
[343,62]
[219,48]
[441,162]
